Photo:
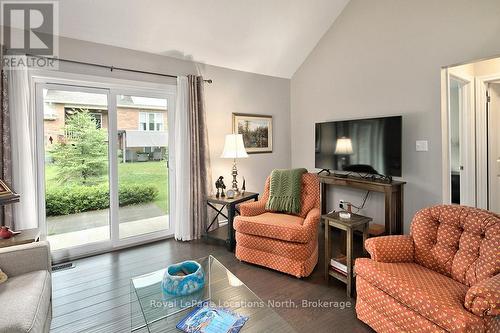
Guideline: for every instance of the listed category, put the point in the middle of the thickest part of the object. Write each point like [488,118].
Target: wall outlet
[422,145]
[341,204]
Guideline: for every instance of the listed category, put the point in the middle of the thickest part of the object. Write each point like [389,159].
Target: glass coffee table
[154,311]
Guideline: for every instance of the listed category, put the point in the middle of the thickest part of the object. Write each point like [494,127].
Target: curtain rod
[111,68]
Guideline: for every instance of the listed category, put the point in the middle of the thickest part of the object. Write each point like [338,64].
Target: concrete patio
[83,228]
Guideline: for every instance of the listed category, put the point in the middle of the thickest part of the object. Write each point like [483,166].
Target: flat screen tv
[363,146]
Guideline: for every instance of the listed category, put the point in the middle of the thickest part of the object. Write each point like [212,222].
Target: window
[97,118]
[151,121]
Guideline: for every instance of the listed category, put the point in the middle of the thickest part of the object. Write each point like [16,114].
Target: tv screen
[362,146]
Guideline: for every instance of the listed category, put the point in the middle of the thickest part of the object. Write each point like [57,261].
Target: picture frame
[257,131]
[5,190]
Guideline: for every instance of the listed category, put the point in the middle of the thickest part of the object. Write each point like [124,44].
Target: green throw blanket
[286,190]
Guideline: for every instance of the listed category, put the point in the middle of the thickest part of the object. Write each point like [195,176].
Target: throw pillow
[3,277]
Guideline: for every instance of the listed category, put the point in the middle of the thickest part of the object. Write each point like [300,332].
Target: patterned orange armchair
[287,243]
[443,277]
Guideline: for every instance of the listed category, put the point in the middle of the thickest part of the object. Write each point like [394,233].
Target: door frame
[482,162]
[467,134]
[111,86]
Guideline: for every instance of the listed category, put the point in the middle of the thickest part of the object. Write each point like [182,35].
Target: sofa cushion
[434,296]
[386,314]
[460,242]
[25,302]
[274,225]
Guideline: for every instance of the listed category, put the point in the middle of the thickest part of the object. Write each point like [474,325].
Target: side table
[25,237]
[356,222]
[232,210]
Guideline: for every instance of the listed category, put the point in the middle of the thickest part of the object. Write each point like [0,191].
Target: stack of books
[339,265]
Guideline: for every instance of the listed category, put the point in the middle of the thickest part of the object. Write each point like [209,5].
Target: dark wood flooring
[94,296]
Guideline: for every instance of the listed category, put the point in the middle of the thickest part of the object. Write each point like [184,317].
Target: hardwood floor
[94,296]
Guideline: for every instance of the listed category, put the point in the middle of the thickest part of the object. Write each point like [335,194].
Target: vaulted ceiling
[271,37]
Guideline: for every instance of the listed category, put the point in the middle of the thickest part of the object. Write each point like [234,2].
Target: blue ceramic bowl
[180,285]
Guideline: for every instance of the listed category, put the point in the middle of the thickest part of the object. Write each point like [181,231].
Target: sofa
[443,277]
[283,242]
[26,297]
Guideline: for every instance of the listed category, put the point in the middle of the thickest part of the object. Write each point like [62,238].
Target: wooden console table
[393,193]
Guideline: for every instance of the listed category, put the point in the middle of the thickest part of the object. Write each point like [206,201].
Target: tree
[82,156]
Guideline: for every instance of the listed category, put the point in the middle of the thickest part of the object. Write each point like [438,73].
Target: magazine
[206,318]
[339,264]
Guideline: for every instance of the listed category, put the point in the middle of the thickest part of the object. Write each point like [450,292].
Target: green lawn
[146,173]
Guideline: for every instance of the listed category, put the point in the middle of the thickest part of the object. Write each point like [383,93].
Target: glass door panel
[77,199]
[142,165]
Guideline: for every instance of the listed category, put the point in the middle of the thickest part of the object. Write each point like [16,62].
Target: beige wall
[231,91]
[383,58]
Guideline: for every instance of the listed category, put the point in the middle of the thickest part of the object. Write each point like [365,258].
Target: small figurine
[5,233]
[243,188]
[219,184]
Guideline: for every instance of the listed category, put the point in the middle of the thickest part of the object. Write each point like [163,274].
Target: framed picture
[4,189]
[257,131]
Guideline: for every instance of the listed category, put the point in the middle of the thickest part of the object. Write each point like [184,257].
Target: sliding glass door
[103,161]
[76,160]
[142,164]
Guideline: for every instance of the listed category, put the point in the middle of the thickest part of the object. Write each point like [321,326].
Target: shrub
[76,199]
[134,194]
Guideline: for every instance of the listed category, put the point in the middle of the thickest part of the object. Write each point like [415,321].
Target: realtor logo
[30,27]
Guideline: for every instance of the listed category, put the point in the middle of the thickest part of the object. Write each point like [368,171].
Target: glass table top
[152,310]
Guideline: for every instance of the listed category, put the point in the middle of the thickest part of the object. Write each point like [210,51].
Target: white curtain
[180,150]
[23,149]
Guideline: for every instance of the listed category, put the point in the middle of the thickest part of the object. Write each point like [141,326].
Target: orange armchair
[443,277]
[287,243]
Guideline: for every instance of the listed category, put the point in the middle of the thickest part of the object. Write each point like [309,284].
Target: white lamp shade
[344,146]
[234,147]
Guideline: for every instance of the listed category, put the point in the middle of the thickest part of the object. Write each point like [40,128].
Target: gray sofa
[26,297]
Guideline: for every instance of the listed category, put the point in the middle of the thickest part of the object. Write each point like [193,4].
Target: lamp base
[235,181]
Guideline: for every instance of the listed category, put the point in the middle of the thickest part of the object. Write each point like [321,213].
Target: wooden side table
[230,205]
[25,237]
[356,222]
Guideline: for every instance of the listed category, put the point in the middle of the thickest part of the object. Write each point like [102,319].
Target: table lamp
[234,148]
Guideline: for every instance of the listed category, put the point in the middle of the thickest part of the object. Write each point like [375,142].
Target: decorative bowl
[180,285]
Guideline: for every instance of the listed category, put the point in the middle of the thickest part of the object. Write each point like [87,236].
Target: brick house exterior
[131,117]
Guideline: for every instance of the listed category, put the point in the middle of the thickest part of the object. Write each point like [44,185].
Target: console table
[393,193]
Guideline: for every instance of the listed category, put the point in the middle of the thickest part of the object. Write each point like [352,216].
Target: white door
[494,147]
[462,142]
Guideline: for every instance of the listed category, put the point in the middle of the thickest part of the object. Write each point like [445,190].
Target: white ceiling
[271,37]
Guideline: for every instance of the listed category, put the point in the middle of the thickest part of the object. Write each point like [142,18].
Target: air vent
[62,267]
